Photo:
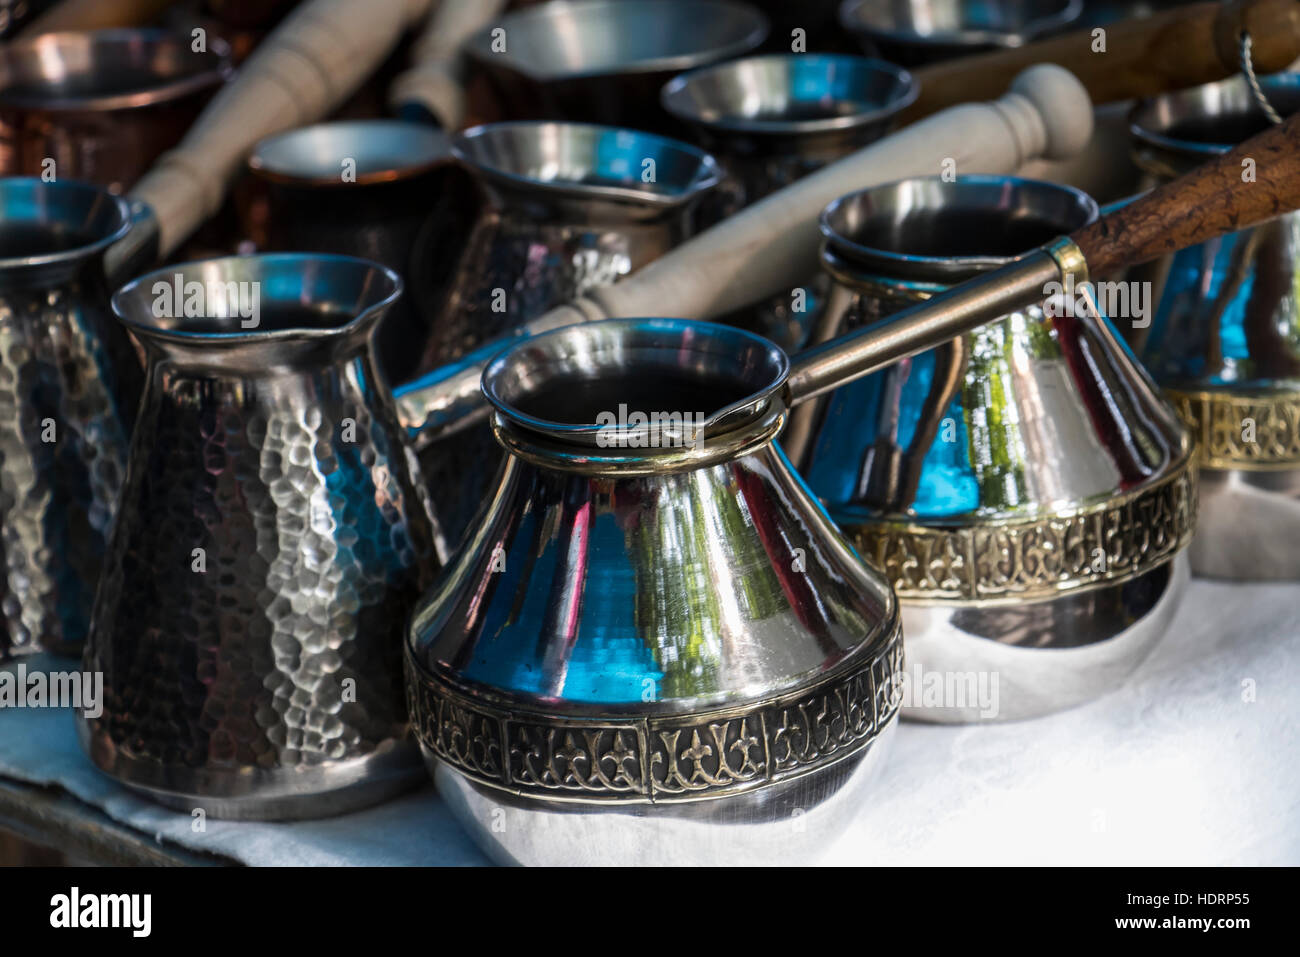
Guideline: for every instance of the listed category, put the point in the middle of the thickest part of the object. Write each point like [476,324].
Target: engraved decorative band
[660,758]
[1024,560]
[1241,431]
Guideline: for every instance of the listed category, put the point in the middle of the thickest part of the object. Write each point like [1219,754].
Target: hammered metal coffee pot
[570,207]
[1023,487]
[1224,342]
[68,390]
[272,535]
[655,648]
[771,120]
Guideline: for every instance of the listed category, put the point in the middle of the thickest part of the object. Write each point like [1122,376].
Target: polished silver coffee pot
[570,208]
[69,385]
[1023,487]
[272,535]
[1224,340]
[653,647]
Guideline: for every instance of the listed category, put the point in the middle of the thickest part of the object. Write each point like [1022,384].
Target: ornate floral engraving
[460,735]
[576,759]
[1225,424]
[1037,558]
[657,759]
[714,754]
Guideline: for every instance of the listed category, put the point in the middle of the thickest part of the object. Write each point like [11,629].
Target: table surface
[1195,760]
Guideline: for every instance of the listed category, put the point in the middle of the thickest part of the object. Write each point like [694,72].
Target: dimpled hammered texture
[63,439]
[272,536]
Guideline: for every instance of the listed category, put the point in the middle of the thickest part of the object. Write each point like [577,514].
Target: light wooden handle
[771,248]
[307,66]
[1172,50]
[436,82]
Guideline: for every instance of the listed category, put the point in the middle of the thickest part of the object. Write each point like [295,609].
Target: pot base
[1249,525]
[248,794]
[789,822]
[1009,662]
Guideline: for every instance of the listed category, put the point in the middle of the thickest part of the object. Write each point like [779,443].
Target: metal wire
[1248,68]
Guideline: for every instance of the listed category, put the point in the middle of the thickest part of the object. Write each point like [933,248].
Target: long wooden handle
[1171,50]
[436,81]
[308,65]
[1257,181]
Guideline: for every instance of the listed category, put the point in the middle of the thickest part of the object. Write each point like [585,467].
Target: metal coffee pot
[915,32]
[604,61]
[1023,487]
[380,189]
[70,382]
[104,104]
[272,535]
[1224,342]
[773,119]
[570,208]
[655,647]
[657,652]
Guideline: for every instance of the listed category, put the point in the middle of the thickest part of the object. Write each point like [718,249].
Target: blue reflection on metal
[854,422]
[606,662]
[1200,301]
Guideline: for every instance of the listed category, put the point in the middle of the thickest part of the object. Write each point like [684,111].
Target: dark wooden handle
[1257,181]
[1172,50]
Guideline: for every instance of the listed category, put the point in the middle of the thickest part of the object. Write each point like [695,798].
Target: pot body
[272,535]
[102,105]
[583,668]
[69,387]
[1024,487]
[1224,341]
[541,241]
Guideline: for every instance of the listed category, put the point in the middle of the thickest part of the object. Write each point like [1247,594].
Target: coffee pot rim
[1144,131]
[86,193]
[753,27]
[360,317]
[749,421]
[1063,13]
[909,89]
[708,173]
[216,69]
[838,246]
